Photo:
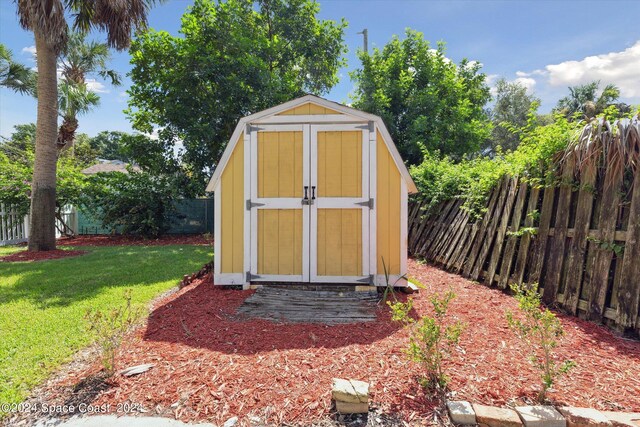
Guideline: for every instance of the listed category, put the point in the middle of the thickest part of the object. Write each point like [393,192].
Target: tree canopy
[586,100]
[231,59]
[509,113]
[424,98]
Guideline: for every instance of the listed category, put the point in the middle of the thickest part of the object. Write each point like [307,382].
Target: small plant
[540,330]
[110,328]
[389,287]
[522,231]
[431,339]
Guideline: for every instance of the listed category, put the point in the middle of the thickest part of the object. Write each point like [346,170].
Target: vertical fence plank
[525,240]
[482,227]
[578,249]
[487,240]
[603,254]
[435,228]
[556,253]
[456,241]
[436,240]
[629,289]
[543,234]
[501,231]
[512,240]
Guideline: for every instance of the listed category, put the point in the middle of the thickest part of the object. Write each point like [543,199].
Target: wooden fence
[580,239]
[13,226]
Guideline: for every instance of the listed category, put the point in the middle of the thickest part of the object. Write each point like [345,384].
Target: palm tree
[583,99]
[74,99]
[78,60]
[47,20]
[14,75]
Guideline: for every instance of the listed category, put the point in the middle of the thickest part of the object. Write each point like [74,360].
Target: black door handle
[306,191]
[313,192]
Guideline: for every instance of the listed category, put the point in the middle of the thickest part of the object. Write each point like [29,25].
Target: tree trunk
[42,234]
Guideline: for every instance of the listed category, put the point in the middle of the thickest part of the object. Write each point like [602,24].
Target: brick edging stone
[465,413]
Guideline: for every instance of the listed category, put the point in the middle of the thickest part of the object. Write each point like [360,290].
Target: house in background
[310,191]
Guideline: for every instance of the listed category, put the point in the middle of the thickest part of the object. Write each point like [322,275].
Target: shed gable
[310,109]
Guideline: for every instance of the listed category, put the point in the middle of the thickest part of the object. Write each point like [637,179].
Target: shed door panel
[340,213]
[279,221]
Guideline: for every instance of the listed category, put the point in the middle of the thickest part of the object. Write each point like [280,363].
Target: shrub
[540,330]
[137,203]
[431,339]
[440,178]
[110,328]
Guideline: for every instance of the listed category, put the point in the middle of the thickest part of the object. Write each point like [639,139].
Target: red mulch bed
[40,256]
[117,240]
[210,365]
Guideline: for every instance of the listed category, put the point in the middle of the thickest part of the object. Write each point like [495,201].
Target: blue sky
[547,45]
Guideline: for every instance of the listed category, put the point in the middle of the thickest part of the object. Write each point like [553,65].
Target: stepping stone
[461,412]
[350,391]
[351,408]
[492,416]
[541,416]
[584,417]
[623,419]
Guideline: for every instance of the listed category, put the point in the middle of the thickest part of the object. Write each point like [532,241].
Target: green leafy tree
[137,203]
[509,113]
[585,100]
[110,145]
[48,22]
[21,142]
[15,76]
[16,171]
[424,98]
[232,58]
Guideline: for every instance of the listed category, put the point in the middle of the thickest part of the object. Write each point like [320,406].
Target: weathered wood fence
[580,239]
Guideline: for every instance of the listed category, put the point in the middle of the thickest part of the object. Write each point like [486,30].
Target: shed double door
[310,203]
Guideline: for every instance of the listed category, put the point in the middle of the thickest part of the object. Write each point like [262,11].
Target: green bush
[440,178]
[540,330]
[138,203]
[431,339]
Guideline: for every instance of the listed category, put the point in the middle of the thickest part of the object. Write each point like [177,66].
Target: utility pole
[365,34]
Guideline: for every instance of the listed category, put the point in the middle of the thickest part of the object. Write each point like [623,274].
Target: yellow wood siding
[232,212]
[280,164]
[340,164]
[308,109]
[388,210]
[280,241]
[339,242]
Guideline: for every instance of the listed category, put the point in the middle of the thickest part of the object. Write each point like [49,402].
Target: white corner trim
[228,279]
[217,229]
[404,206]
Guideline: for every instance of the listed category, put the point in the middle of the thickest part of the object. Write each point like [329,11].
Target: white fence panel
[14,228]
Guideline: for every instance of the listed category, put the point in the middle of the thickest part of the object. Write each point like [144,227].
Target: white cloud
[29,49]
[96,86]
[527,82]
[619,68]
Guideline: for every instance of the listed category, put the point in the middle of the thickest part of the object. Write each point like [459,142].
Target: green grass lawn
[42,304]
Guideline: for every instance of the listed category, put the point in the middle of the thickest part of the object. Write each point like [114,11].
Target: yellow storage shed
[310,191]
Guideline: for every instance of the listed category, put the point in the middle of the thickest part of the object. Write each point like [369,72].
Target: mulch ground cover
[211,365]
[40,256]
[117,240]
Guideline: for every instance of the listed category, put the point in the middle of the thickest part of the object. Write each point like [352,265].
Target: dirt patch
[117,240]
[211,364]
[40,256]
